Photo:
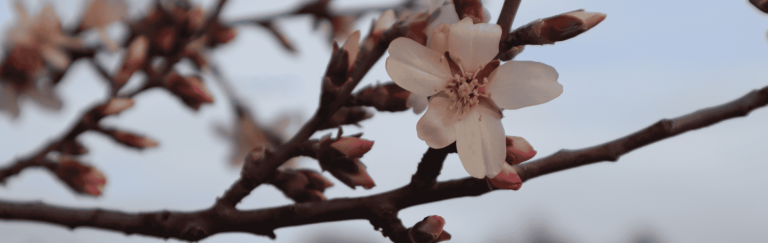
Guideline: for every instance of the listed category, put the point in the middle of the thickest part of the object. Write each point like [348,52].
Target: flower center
[467,88]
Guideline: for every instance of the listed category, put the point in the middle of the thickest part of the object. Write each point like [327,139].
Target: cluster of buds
[301,185]
[190,89]
[518,151]
[81,178]
[390,97]
[429,230]
[341,157]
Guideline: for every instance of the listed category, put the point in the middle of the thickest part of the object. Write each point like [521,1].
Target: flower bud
[385,21]
[132,140]
[301,185]
[557,28]
[429,230]
[384,97]
[350,179]
[518,150]
[191,90]
[760,4]
[134,59]
[507,178]
[81,178]
[164,38]
[352,47]
[352,147]
[71,147]
[115,105]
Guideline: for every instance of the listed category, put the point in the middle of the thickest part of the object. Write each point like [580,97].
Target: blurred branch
[380,209]
[262,170]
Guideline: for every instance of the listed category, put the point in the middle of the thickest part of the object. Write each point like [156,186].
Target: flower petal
[480,142]
[517,84]
[437,126]
[474,44]
[438,40]
[416,68]
[417,102]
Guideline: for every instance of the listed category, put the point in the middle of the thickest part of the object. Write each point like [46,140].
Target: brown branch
[506,17]
[665,128]
[380,209]
[264,168]
[20,165]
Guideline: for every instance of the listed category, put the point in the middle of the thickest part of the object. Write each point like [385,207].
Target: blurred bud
[134,59]
[347,115]
[164,38]
[381,25]
[384,22]
[518,150]
[557,28]
[194,51]
[115,105]
[352,48]
[81,178]
[507,178]
[132,140]
[760,4]
[301,185]
[429,230]
[71,147]
[336,73]
[54,56]
[384,97]
[353,179]
[511,53]
[470,9]
[190,89]
[196,18]
[342,26]
[101,13]
[220,34]
[352,147]
[21,64]
[417,27]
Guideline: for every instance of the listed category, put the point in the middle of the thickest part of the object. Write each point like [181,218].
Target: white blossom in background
[468,89]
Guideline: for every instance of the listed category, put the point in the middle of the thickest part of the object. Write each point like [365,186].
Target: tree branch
[665,128]
[380,209]
[506,17]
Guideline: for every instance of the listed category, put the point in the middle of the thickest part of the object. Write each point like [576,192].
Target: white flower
[467,89]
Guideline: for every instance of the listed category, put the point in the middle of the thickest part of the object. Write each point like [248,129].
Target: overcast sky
[647,61]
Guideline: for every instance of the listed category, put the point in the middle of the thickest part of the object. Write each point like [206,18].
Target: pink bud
[518,150]
[385,21]
[116,105]
[133,140]
[134,59]
[190,89]
[352,147]
[430,229]
[81,178]
[352,46]
[590,19]
[362,178]
[507,178]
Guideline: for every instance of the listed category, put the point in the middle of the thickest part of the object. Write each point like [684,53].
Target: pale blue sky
[648,60]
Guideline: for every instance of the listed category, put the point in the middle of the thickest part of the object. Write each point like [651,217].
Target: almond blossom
[468,89]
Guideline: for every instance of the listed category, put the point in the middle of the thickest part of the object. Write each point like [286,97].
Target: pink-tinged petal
[474,44]
[447,15]
[480,142]
[416,68]
[438,41]
[517,84]
[518,150]
[437,126]
[507,178]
